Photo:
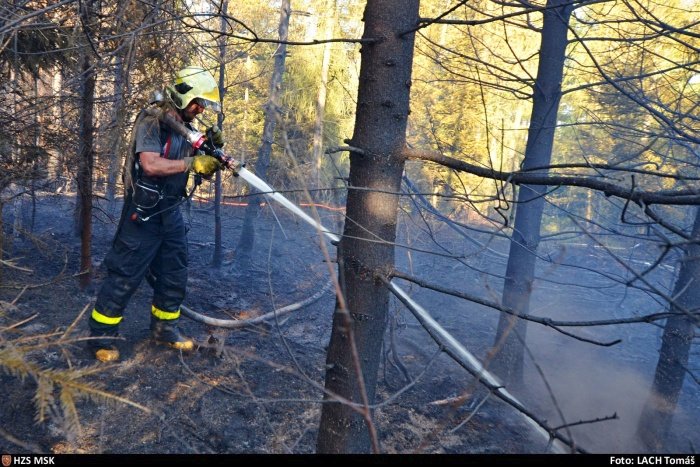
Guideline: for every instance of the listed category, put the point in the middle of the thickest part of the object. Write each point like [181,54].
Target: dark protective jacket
[152,135]
[158,245]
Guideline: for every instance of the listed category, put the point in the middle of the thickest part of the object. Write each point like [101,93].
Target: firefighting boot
[167,332]
[103,349]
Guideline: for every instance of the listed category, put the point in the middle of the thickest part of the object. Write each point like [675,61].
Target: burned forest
[443,227]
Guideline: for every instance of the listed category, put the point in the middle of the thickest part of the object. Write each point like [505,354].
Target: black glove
[216,136]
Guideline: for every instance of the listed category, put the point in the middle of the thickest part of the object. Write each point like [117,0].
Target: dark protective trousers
[158,245]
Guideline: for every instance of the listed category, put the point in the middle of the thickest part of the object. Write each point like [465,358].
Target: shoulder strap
[166,137]
[129,168]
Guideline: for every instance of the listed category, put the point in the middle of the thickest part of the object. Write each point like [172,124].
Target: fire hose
[443,338]
[240,323]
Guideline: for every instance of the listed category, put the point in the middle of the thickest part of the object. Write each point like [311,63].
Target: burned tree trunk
[217,256]
[510,336]
[247,240]
[86,150]
[655,422]
[380,131]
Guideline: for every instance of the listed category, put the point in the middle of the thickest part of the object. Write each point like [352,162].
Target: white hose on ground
[241,323]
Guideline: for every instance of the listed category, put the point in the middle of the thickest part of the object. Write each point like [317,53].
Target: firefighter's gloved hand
[202,165]
[216,136]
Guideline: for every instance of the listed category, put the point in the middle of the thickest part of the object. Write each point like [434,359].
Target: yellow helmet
[195,83]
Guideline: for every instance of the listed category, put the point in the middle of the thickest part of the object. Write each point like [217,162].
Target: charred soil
[257,389]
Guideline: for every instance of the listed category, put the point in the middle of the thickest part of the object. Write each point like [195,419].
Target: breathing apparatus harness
[147,195]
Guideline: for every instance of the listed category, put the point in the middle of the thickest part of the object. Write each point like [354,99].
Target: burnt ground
[255,390]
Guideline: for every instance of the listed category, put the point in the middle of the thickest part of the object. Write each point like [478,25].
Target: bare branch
[586,422]
[650,318]
[669,197]
[8,27]
[424,22]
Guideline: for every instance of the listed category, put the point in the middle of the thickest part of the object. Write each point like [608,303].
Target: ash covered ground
[256,389]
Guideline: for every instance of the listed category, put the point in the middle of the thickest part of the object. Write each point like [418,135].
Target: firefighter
[151,237]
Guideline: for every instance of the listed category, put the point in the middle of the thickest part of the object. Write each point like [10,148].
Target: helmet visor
[207,104]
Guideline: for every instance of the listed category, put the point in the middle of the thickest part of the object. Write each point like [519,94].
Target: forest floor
[257,389]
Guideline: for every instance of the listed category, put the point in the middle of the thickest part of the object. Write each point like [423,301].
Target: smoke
[587,381]
[590,382]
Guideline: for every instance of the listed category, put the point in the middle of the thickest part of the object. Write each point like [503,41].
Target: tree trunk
[17,213]
[246,102]
[655,422]
[86,151]
[122,81]
[246,242]
[317,151]
[116,138]
[2,242]
[380,130]
[510,336]
[15,188]
[217,257]
[589,205]
[38,160]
